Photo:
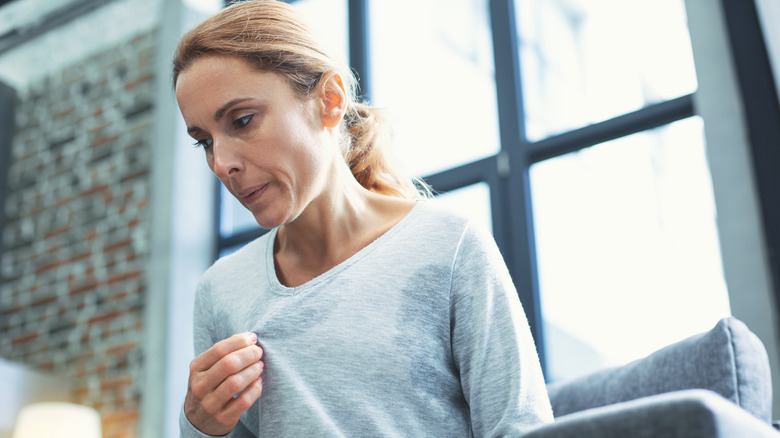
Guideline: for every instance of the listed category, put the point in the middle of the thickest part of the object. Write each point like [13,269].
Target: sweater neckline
[278,288]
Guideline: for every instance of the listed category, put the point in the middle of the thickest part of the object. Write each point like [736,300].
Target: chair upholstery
[729,360]
[691,413]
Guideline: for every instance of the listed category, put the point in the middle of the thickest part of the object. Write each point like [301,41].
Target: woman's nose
[226,159]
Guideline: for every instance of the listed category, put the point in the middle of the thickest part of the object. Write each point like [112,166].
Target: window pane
[328,19]
[472,202]
[233,217]
[432,70]
[587,61]
[627,247]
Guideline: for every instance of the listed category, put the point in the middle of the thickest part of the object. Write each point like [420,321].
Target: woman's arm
[492,344]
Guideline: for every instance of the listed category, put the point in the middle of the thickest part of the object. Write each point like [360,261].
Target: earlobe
[333,100]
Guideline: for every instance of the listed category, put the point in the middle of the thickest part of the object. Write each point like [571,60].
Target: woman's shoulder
[471,234]
[437,213]
[435,225]
[436,216]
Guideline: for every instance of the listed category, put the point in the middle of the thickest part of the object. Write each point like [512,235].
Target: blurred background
[624,154]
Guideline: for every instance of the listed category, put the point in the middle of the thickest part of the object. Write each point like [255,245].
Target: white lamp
[57,420]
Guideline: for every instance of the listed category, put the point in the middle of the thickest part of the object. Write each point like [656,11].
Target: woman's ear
[333,99]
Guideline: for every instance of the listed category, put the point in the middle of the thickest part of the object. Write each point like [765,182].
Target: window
[586,62]
[626,238]
[435,79]
[625,225]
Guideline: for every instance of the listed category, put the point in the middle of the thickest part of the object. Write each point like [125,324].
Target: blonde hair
[271,36]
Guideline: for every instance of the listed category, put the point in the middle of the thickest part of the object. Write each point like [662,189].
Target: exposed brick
[45,300]
[120,417]
[124,276]
[98,128]
[64,112]
[137,82]
[135,175]
[62,201]
[95,189]
[82,288]
[103,140]
[106,317]
[118,296]
[82,392]
[9,310]
[116,245]
[79,256]
[78,176]
[25,339]
[121,349]
[49,266]
[55,231]
[115,383]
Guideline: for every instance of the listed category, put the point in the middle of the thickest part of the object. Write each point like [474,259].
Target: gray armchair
[716,384]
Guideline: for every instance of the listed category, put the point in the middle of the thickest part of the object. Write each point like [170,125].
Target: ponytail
[366,153]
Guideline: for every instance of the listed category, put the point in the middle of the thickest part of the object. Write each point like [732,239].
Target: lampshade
[57,420]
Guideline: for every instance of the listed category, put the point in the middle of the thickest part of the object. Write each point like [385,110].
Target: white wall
[182,239]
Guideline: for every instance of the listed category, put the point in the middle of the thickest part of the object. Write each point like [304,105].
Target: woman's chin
[268,221]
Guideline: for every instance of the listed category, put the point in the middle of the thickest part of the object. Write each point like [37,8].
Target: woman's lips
[252,194]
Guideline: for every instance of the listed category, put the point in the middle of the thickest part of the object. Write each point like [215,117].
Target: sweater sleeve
[204,337]
[187,430]
[492,344]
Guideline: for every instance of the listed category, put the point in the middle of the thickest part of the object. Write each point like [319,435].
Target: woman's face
[265,143]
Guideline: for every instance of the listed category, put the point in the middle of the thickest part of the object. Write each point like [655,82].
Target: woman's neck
[344,219]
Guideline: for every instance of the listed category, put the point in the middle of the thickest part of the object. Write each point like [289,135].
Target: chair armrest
[692,413]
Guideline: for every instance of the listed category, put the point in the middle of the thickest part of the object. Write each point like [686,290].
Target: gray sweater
[420,333]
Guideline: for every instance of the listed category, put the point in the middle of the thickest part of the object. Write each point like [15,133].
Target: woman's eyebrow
[221,111]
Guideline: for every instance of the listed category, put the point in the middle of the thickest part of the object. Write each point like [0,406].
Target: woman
[365,310]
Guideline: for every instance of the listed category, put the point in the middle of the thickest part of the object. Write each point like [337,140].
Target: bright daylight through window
[627,245]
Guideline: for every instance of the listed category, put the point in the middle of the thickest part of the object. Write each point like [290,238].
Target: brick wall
[76,240]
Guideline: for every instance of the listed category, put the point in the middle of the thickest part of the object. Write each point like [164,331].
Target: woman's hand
[229,367]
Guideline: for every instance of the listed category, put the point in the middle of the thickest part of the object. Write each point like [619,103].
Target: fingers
[238,382]
[222,349]
[234,355]
[237,360]
[229,375]
[224,382]
[247,398]
[224,420]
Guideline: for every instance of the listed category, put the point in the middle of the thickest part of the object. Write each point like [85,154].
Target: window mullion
[512,202]
[643,119]
[358,45]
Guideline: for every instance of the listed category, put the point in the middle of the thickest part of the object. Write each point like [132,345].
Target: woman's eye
[205,143]
[242,121]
